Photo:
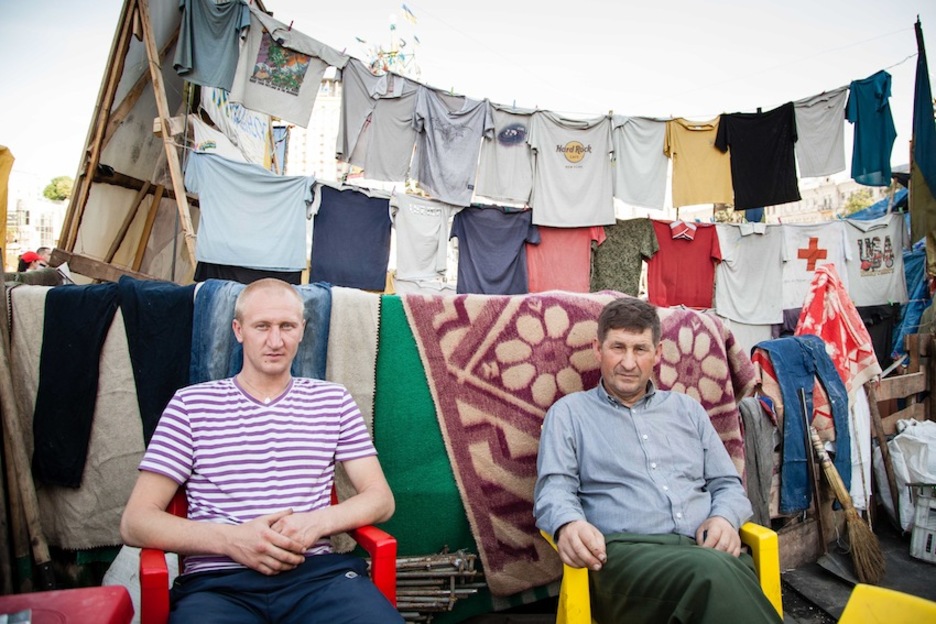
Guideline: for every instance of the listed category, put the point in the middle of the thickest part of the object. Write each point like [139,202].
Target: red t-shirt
[682,272]
[562,260]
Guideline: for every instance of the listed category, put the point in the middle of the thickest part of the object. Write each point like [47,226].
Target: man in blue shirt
[635,484]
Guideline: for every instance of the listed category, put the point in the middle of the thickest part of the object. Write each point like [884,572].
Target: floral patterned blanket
[496,363]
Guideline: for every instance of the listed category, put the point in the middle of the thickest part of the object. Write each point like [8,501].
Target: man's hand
[304,528]
[581,545]
[259,547]
[717,533]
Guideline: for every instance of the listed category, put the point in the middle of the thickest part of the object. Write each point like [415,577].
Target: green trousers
[661,579]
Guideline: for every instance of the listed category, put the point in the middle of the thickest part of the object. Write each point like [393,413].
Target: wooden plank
[135,184]
[93,143]
[95,269]
[915,411]
[901,386]
[126,105]
[148,227]
[162,105]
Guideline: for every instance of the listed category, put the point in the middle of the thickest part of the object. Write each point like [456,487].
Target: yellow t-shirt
[701,172]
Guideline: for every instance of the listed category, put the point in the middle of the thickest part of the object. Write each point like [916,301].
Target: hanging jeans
[798,362]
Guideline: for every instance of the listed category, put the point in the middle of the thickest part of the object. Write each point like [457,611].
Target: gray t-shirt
[505,170]
[448,141]
[384,145]
[422,232]
[209,40]
[639,161]
[280,69]
[360,91]
[750,273]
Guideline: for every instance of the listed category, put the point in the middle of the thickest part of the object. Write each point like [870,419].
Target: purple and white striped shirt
[240,458]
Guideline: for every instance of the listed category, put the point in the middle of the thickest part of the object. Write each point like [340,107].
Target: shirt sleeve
[555,500]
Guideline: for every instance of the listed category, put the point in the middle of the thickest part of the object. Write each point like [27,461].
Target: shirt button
[653,466]
[679,515]
[665,488]
[645,436]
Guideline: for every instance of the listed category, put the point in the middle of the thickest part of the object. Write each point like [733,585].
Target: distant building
[32,220]
[822,199]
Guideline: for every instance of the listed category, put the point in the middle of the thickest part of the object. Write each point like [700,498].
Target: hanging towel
[76,322]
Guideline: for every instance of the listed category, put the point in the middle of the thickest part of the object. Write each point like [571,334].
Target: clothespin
[290,25]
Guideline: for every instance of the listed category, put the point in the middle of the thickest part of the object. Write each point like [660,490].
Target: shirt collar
[753,228]
[606,397]
[682,229]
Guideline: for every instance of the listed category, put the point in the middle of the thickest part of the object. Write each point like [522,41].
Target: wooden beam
[126,105]
[162,105]
[127,222]
[915,411]
[148,227]
[94,141]
[95,269]
[901,386]
[134,184]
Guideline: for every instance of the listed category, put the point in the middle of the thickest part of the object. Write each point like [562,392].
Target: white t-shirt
[747,278]
[572,184]
[876,268]
[639,160]
[505,171]
[422,227]
[805,247]
[820,131]
[248,131]
[280,70]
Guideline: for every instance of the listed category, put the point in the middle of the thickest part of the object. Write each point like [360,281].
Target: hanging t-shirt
[618,262]
[572,177]
[448,140]
[360,92]
[248,216]
[639,162]
[505,170]
[209,40]
[351,238]
[868,108]
[280,70]
[875,265]
[384,145]
[805,247]
[701,173]
[763,166]
[747,278]
[422,233]
[683,271]
[562,259]
[491,254]
[820,126]
[211,141]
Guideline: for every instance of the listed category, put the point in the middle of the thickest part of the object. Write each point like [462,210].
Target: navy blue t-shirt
[491,252]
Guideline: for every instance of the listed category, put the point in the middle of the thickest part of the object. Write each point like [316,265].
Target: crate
[923,536]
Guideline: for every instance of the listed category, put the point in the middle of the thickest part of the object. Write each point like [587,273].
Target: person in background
[31,261]
[634,484]
[257,455]
[45,253]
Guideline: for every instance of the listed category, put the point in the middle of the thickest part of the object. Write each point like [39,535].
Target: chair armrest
[382,548]
[765,549]
[154,587]
[574,599]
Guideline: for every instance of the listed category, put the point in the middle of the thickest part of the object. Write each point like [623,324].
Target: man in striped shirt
[257,456]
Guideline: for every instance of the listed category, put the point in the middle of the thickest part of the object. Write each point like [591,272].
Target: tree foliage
[60,188]
[859,200]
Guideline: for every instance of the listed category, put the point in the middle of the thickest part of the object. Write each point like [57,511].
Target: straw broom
[865,548]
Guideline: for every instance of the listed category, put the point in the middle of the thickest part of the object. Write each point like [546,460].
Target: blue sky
[679,58]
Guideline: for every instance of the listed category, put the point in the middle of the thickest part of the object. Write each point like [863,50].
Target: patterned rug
[496,363]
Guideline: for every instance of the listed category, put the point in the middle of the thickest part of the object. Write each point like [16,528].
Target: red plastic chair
[154,573]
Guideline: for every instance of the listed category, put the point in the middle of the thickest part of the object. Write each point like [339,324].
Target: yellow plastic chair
[876,605]
[574,601]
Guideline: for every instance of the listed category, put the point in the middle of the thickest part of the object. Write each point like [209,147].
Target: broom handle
[813,470]
[835,480]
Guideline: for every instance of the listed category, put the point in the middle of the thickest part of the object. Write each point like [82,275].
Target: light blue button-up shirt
[657,467]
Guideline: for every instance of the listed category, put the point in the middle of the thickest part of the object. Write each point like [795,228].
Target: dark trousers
[658,579]
[331,589]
